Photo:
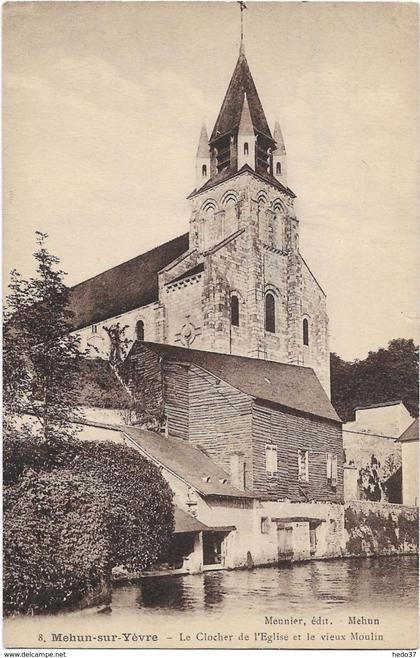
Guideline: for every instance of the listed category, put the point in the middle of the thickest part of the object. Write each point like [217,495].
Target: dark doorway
[212,548]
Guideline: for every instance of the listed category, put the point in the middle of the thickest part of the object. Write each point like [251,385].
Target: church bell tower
[244,285]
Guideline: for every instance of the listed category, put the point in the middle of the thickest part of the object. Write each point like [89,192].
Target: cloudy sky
[103,109]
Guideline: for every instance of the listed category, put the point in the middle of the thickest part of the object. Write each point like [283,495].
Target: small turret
[246,138]
[203,158]
[279,156]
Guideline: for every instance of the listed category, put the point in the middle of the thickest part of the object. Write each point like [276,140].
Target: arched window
[270,313]
[246,148]
[140,330]
[204,170]
[234,310]
[305,326]
[278,168]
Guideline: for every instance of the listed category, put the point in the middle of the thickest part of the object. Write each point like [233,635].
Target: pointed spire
[203,144]
[242,49]
[245,125]
[278,138]
[231,110]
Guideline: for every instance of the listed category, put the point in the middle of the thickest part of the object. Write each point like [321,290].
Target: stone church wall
[316,355]
[245,237]
[275,274]
[182,304]
[96,341]
[227,274]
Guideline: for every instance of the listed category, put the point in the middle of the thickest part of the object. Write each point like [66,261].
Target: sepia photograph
[210,326]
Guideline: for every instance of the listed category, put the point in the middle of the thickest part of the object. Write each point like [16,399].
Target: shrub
[24,448]
[20,451]
[73,510]
[56,540]
[140,512]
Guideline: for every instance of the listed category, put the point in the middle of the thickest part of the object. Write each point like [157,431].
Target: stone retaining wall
[372,528]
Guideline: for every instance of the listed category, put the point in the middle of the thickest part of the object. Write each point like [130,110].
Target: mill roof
[125,287]
[186,461]
[229,117]
[411,433]
[291,386]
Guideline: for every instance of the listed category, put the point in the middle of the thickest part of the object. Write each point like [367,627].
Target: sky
[103,105]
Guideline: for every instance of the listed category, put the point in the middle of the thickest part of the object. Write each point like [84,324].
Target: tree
[73,509]
[140,511]
[72,512]
[118,344]
[57,548]
[41,357]
[390,373]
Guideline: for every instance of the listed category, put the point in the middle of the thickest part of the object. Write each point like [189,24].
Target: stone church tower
[243,287]
[237,283]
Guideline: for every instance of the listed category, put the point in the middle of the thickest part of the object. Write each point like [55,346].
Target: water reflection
[213,588]
[323,585]
[165,592]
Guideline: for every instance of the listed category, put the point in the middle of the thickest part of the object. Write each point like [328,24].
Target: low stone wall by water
[372,528]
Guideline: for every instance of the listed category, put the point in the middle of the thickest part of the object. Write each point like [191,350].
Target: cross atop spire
[243,6]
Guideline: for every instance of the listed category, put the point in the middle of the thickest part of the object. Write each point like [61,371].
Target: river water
[377,583]
[211,602]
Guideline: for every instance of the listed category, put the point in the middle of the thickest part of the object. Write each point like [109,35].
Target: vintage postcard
[210,336]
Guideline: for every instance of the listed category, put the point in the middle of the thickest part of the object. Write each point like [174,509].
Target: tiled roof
[125,287]
[411,433]
[186,461]
[377,405]
[194,270]
[230,113]
[230,172]
[294,387]
[186,523]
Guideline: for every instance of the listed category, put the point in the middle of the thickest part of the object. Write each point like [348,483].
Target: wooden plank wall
[289,432]
[176,398]
[220,420]
[144,378]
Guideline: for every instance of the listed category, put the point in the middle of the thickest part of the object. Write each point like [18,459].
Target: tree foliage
[141,512]
[73,510]
[390,373]
[41,358]
[56,541]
